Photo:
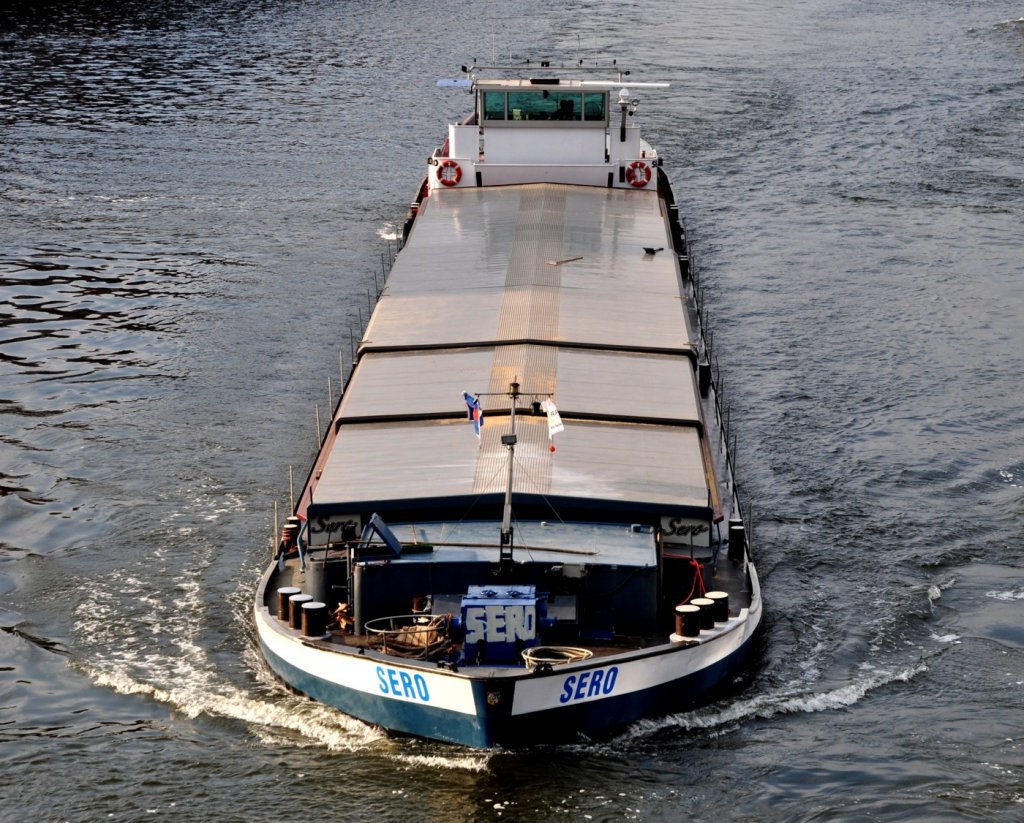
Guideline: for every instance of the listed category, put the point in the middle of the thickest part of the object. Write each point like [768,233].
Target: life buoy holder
[448,173]
[638,174]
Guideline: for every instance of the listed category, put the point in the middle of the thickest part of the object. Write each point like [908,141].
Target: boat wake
[155,628]
[165,660]
[719,718]
[1013,594]
[389,231]
[470,761]
[317,724]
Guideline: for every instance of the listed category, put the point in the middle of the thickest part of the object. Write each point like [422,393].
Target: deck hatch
[630,463]
[451,283]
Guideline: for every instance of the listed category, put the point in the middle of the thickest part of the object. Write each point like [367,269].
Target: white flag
[554,421]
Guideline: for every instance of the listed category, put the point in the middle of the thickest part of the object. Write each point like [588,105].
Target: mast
[509,441]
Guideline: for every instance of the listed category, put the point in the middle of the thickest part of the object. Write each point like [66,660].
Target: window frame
[508,121]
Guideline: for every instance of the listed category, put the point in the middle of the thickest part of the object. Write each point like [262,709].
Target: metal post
[506,521]
[505,551]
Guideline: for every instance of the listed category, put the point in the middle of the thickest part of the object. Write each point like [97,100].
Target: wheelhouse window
[593,106]
[494,105]
[544,105]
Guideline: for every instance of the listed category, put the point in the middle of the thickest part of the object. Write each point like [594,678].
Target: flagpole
[509,440]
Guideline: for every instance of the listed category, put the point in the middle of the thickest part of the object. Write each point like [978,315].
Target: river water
[194,204]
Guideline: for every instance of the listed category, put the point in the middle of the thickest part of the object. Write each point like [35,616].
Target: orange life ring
[448,173]
[638,174]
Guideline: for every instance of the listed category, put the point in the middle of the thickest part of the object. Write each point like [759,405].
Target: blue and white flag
[476,414]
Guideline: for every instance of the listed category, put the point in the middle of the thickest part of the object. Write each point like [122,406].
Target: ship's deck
[549,285]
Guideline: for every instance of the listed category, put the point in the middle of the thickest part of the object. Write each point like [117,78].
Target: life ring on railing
[448,173]
[638,174]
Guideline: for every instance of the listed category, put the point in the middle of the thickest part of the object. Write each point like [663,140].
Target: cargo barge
[522,525]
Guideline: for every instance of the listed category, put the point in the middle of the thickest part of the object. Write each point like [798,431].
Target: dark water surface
[193,204]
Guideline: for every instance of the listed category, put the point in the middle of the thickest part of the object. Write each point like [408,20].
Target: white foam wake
[143,631]
[466,760]
[773,704]
[1015,594]
[313,721]
[389,231]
